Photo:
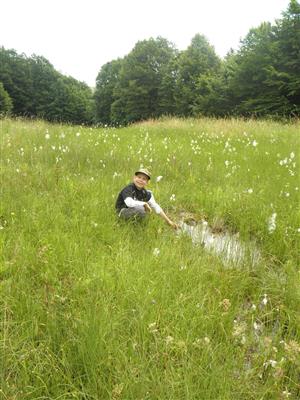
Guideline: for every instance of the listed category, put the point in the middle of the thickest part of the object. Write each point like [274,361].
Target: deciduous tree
[137,92]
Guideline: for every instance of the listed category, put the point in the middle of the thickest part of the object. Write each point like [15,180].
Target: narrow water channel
[228,247]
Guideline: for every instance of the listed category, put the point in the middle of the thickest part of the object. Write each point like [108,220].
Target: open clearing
[96,309]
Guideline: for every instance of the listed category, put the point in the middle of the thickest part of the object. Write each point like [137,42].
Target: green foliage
[210,96]
[72,102]
[251,73]
[137,91]
[213,94]
[199,59]
[5,101]
[286,70]
[167,89]
[106,82]
[38,90]
[16,78]
[266,79]
[44,87]
[261,79]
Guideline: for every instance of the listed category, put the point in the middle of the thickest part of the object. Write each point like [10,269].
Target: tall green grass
[92,308]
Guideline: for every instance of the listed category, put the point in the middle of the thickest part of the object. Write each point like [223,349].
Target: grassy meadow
[92,308]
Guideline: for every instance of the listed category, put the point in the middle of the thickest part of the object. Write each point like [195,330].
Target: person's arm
[168,221]
[152,203]
[127,194]
[130,202]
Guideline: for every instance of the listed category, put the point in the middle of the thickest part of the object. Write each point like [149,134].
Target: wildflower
[286,393]
[78,134]
[159,178]
[250,190]
[256,326]
[225,304]
[272,223]
[293,350]
[264,300]
[117,390]
[172,198]
[292,155]
[156,252]
[169,339]
[152,327]
[254,143]
[283,162]
[239,329]
[273,363]
[47,136]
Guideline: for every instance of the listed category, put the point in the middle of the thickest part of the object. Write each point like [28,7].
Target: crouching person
[134,201]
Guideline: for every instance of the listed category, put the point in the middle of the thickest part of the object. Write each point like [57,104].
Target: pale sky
[79,36]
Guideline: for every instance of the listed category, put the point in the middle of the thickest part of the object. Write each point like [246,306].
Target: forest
[259,79]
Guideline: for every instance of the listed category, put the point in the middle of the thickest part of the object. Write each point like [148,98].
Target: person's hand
[173,225]
[147,208]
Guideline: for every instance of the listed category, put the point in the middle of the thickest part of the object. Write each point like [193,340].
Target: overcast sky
[79,36]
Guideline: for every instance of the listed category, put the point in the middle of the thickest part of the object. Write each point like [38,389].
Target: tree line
[261,78]
[30,86]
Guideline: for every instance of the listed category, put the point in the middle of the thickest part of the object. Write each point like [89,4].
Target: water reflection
[228,247]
